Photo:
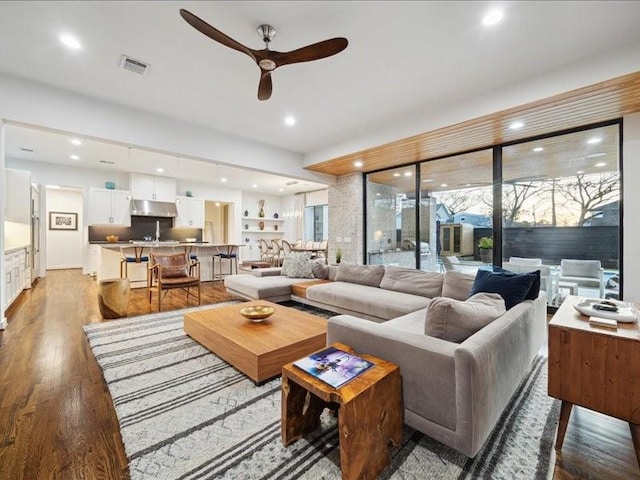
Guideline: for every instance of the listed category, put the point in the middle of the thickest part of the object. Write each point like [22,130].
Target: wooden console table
[370,413]
[594,367]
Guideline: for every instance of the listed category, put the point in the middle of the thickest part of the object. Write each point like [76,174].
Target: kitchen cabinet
[150,187]
[109,207]
[16,269]
[18,209]
[190,212]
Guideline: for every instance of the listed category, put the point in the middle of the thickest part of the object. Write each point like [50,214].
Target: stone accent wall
[346,218]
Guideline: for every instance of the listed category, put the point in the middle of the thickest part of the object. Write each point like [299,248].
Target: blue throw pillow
[512,288]
[533,292]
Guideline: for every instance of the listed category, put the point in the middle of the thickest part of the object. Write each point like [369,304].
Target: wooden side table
[370,413]
[300,289]
[594,367]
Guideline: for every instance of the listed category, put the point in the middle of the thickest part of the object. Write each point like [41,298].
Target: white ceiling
[403,58]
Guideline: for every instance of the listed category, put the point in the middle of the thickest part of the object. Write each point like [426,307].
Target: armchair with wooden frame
[170,271]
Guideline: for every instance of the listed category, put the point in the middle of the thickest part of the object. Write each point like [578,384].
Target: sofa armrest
[426,363]
[490,365]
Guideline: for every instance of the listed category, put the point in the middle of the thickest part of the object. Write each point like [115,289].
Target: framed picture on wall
[63,221]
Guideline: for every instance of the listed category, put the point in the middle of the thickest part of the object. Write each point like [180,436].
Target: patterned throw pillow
[297,265]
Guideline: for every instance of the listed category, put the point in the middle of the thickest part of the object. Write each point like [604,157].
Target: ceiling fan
[268,60]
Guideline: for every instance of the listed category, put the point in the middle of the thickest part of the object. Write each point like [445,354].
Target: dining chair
[275,253]
[172,271]
[266,254]
[286,247]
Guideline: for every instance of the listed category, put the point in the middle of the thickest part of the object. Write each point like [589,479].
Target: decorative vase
[275,215]
[261,204]
[486,255]
[261,213]
[246,226]
[275,227]
[246,213]
[261,225]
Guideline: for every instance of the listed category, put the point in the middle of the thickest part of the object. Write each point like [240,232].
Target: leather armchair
[171,271]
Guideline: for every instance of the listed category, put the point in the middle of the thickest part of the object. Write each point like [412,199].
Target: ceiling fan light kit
[268,60]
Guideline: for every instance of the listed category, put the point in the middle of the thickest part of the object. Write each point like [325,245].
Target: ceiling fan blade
[215,34]
[312,52]
[266,86]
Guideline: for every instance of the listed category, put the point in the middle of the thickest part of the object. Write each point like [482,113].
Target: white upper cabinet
[190,212]
[150,187]
[109,207]
[18,206]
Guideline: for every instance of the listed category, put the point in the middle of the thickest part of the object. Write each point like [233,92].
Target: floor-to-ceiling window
[558,198]
[561,211]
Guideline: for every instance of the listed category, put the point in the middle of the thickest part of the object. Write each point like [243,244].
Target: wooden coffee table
[370,413]
[259,350]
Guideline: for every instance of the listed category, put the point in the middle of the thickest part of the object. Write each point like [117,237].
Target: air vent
[133,65]
[108,162]
[28,150]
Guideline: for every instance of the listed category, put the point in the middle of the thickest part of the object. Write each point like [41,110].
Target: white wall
[631,207]
[64,248]
[3,203]
[37,104]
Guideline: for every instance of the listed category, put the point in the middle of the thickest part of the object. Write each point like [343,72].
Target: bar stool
[229,252]
[128,258]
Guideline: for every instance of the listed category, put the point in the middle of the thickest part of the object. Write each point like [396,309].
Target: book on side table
[333,366]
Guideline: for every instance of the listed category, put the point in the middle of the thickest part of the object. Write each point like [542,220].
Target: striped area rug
[185,414]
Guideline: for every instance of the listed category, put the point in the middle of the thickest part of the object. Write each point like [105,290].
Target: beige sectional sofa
[453,392]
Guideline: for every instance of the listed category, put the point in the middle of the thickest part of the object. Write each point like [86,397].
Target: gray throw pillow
[410,280]
[369,275]
[320,269]
[297,265]
[457,285]
[455,320]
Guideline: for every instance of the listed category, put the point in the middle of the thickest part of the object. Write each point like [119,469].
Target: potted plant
[485,244]
[338,255]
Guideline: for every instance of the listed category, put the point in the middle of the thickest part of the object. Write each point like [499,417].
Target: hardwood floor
[57,419]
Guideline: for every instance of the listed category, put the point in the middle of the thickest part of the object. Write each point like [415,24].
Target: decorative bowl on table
[257,313]
[112,238]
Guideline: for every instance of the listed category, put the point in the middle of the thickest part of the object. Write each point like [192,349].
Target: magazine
[333,366]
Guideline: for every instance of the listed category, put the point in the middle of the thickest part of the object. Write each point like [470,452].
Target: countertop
[151,244]
[14,248]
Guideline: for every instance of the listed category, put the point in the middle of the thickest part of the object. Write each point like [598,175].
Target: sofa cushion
[260,287]
[297,265]
[410,280]
[513,288]
[534,291]
[369,275]
[373,302]
[266,272]
[457,285]
[320,269]
[580,268]
[455,320]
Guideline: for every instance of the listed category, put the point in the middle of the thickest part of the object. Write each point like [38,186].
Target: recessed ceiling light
[223,179]
[444,185]
[74,157]
[594,140]
[596,155]
[76,141]
[159,170]
[70,41]
[357,164]
[538,149]
[600,164]
[427,180]
[53,186]
[281,189]
[493,17]
[467,184]
[217,204]
[254,186]
[407,174]
[579,172]
[289,121]
[517,125]
[396,174]
[378,194]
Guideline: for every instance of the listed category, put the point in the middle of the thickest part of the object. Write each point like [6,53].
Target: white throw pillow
[297,265]
[455,320]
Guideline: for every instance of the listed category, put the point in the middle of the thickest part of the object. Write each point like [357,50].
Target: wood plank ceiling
[597,103]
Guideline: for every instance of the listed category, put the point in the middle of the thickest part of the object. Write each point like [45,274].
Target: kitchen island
[107,256]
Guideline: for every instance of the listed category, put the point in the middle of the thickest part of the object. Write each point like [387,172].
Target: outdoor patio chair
[586,273]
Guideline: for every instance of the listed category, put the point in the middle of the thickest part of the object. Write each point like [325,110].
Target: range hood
[149,208]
